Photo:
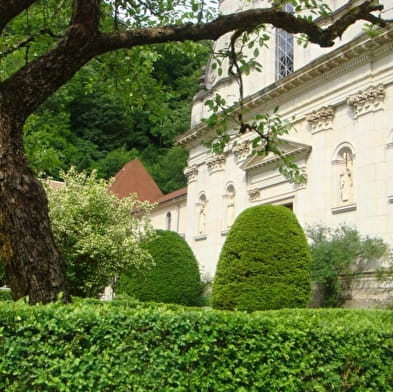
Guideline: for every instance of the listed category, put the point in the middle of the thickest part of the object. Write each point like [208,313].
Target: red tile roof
[134,178]
[172,195]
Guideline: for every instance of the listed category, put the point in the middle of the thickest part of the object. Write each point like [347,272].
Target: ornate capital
[215,163]
[191,172]
[254,194]
[322,119]
[366,101]
[241,151]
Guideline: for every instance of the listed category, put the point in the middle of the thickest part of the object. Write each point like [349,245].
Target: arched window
[284,50]
[168,220]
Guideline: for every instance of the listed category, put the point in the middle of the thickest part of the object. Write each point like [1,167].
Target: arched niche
[229,197]
[201,212]
[343,174]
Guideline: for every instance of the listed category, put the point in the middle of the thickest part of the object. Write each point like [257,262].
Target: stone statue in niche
[202,218]
[346,179]
[230,215]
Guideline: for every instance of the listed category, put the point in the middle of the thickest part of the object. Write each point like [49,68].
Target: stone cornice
[354,53]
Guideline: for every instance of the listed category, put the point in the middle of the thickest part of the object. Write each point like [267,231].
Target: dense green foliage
[339,255]
[5,295]
[173,279]
[125,103]
[265,262]
[102,118]
[95,232]
[124,346]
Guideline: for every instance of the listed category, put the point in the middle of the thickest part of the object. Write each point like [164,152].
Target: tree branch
[36,81]
[86,15]
[363,11]
[9,9]
[245,20]
[25,43]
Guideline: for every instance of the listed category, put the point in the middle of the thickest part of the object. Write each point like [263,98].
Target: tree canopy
[38,59]
[92,124]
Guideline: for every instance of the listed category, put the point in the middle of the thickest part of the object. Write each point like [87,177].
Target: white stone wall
[177,209]
[340,103]
[257,81]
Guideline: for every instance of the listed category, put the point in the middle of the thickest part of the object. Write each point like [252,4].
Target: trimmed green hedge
[5,295]
[112,347]
[175,277]
[265,262]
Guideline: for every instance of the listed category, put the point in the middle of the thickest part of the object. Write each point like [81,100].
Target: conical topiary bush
[265,262]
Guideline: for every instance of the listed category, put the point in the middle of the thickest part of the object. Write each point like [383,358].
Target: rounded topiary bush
[174,278]
[265,262]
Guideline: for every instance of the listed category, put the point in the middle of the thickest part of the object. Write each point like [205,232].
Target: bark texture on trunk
[28,252]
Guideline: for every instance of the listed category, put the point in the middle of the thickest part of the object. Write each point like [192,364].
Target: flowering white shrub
[96,232]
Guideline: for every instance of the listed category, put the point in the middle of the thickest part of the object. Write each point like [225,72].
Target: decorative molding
[322,119]
[341,162]
[254,194]
[370,100]
[241,151]
[191,172]
[216,163]
[345,208]
[296,150]
[200,237]
[337,62]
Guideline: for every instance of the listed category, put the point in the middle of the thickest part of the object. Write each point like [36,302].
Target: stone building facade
[340,103]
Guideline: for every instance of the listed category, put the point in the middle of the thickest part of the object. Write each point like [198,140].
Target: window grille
[284,50]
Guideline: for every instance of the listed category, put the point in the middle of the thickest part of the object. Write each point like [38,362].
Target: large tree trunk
[31,260]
